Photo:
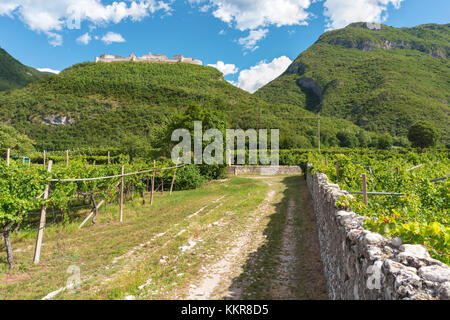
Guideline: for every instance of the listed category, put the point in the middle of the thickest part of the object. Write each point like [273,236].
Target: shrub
[423,135]
[363,139]
[213,172]
[188,178]
[347,139]
[384,142]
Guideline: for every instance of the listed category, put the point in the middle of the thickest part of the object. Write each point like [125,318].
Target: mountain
[14,75]
[381,78]
[97,104]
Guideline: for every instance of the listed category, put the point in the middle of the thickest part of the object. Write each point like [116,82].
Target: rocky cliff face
[53,120]
[371,45]
[380,36]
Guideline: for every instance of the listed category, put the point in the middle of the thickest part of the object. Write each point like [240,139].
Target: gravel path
[275,257]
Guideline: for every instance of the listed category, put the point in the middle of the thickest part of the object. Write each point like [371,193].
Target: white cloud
[84,39]
[112,37]
[48,70]
[251,14]
[257,76]
[54,39]
[252,39]
[341,13]
[50,16]
[226,69]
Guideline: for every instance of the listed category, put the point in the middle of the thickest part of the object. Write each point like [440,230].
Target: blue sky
[251,41]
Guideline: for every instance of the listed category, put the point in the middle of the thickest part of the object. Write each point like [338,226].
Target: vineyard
[404,195]
[28,190]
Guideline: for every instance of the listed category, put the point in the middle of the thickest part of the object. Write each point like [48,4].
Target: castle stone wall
[148,58]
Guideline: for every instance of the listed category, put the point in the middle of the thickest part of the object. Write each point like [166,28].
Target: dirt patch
[285,281]
[310,269]
[10,278]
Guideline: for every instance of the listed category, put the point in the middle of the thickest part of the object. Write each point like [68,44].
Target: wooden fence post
[153,188]
[173,180]
[67,158]
[45,157]
[91,214]
[37,250]
[364,189]
[109,157]
[8,154]
[121,193]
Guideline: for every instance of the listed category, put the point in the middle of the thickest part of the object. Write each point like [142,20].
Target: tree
[295,142]
[347,139]
[133,146]
[210,120]
[19,144]
[363,138]
[423,135]
[384,141]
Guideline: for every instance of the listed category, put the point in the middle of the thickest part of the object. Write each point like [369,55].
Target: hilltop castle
[148,58]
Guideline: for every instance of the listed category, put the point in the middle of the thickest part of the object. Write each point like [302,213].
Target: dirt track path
[277,254]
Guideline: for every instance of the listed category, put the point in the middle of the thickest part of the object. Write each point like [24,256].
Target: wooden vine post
[121,193]
[364,189]
[153,188]
[173,180]
[67,158]
[44,156]
[37,251]
[162,183]
[8,154]
[109,158]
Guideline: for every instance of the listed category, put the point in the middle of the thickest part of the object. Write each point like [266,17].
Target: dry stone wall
[265,170]
[360,264]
